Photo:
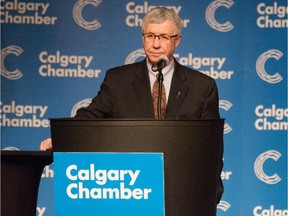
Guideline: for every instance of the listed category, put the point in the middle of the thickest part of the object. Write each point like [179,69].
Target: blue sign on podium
[106,184]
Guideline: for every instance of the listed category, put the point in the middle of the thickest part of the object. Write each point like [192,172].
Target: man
[126,91]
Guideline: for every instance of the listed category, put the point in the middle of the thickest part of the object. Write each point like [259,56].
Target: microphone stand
[160,82]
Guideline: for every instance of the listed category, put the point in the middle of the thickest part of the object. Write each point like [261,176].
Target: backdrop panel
[54,55]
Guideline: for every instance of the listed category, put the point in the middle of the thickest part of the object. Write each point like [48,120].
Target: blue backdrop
[54,55]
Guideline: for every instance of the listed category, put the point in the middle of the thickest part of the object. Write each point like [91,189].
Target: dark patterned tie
[155,93]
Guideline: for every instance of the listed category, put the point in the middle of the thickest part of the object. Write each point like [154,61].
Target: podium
[20,177]
[192,153]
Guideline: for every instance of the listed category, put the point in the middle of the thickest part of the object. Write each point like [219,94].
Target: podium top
[131,122]
[128,135]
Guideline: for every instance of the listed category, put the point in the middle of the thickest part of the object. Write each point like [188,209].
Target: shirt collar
[165,71]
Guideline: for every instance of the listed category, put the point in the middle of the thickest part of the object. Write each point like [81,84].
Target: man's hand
[46,145]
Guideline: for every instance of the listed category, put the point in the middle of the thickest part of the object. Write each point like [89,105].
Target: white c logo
[82,103]
[77,14]
[131,58]
[260,66]
[258,167]
[226,105]
[12,75]
[210,15]
[223,205]
[11,148]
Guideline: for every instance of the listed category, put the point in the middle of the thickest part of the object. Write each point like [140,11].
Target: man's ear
[177,41]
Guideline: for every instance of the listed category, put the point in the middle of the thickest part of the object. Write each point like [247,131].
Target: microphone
[162,62]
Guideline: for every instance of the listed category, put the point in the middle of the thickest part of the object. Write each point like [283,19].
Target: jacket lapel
[142,87]
[177,93]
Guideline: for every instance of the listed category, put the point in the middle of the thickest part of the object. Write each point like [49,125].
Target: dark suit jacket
[126,93]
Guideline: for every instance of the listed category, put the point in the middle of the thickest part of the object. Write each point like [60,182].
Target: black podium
[192,154]
[20,177]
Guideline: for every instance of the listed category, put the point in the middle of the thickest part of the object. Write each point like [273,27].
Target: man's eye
[150,35]
[165,37]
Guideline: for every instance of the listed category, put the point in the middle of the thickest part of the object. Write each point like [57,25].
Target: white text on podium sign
[109,184]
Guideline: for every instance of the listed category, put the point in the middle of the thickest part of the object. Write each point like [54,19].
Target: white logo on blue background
[259,163]
[226,105]
[11,75]
[132,57]
[224,206]
[11,148]
[210,15]
[260,66]
[80,104]
[77,14]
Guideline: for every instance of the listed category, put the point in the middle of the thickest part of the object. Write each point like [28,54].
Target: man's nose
[156,42]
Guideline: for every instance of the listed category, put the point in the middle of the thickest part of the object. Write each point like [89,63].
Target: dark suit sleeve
[211,110]
[101,105]
[211,105]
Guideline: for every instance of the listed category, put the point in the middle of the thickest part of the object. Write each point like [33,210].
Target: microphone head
[154,68]
[162,62]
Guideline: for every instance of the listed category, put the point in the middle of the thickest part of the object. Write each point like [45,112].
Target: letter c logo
[223,205]
[77,14]
[259,163]
[82,103]
[260,66]
[210,15]
[132,57]
[226,105]
[12,75]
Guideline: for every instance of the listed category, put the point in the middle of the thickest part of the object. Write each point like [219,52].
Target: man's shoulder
[193,74]
[127,67]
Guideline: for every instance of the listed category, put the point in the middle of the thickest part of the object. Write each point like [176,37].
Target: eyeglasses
[149,37]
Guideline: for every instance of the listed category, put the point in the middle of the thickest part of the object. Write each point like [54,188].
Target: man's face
[156,47]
